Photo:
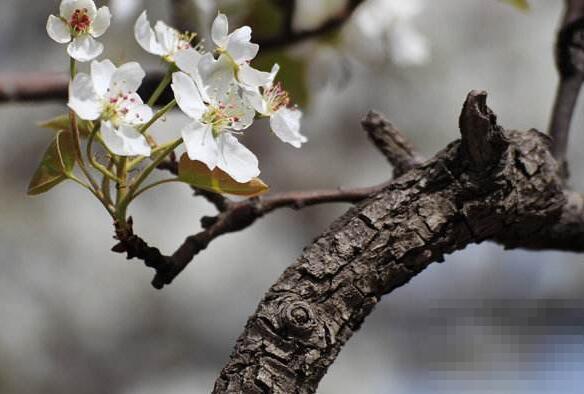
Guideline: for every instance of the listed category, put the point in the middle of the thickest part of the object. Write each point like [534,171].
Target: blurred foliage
[265,18]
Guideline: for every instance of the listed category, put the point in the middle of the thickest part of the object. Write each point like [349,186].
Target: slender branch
[39,87]
[570,63]
[289,37]
[392,143]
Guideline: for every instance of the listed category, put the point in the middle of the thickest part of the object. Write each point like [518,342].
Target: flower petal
[68,7]
[219,30]
[239,46]
[125,140]
[145,36]
[256,100]
[58,30]
[83,99]
[254,78]
[188,61]
[235,159]
[167,37]
[101,75]
[200,143]
[138,113]
[285,123]
[101,22]
[187,95]
[84,48]
[217,76]
[127,78]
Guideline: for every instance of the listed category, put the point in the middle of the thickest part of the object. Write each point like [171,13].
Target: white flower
[387,27]
[109,94]
[271,100]
[209,137]
[163,40]
[79,23]
[237,45]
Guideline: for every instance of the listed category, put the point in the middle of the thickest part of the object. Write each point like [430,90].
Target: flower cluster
[218,90]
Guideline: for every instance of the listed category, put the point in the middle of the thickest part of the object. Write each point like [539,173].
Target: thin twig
[289,37]
[391,142]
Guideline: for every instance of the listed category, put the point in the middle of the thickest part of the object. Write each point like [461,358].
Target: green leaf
[56,166]
[61,122]
[522,5]
[197,174]
[293,74]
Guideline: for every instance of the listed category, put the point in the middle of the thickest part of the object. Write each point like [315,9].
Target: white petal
[127,78]
[124,141]
[256,100]
[145,36]
[200,143]
[138,114]
[188,60]
[68,7]
[101,22]
[58,30]
[219,30]
[285,124]
[167,37]
[101,75]
[239,47]
[83,99]
[217,76]
[187,95]
[239,108]
[235,159]
[254,78]
[84,48]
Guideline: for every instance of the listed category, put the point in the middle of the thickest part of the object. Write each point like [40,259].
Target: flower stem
[157,116]
[128,196]
[122,185]
[72,67]
[105,172]
[162,86]
[153,185]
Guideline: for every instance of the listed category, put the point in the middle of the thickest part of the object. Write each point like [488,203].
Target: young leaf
[198,174]
[522,5]
[61,122]
[56,165]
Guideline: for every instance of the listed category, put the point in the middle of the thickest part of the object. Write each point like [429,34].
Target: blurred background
[77,318]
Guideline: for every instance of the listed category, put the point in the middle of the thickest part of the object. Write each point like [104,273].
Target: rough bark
[492,182]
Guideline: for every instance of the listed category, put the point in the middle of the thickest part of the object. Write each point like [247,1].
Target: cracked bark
[491,183]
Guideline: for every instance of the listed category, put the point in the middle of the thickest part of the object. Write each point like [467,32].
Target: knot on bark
[570,49]
[297,317]
[483,141]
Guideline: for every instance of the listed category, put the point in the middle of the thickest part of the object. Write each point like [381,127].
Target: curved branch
[459,197]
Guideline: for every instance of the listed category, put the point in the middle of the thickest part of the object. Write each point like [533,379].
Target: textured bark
[490,183]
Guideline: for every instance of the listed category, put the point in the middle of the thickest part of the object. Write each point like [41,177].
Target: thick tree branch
[459,197]
[570,63]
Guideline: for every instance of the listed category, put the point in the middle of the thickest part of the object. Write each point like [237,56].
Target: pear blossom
[163,40]
[237,47]
[215,119]
[273,101]
[109,94]
[78,24]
